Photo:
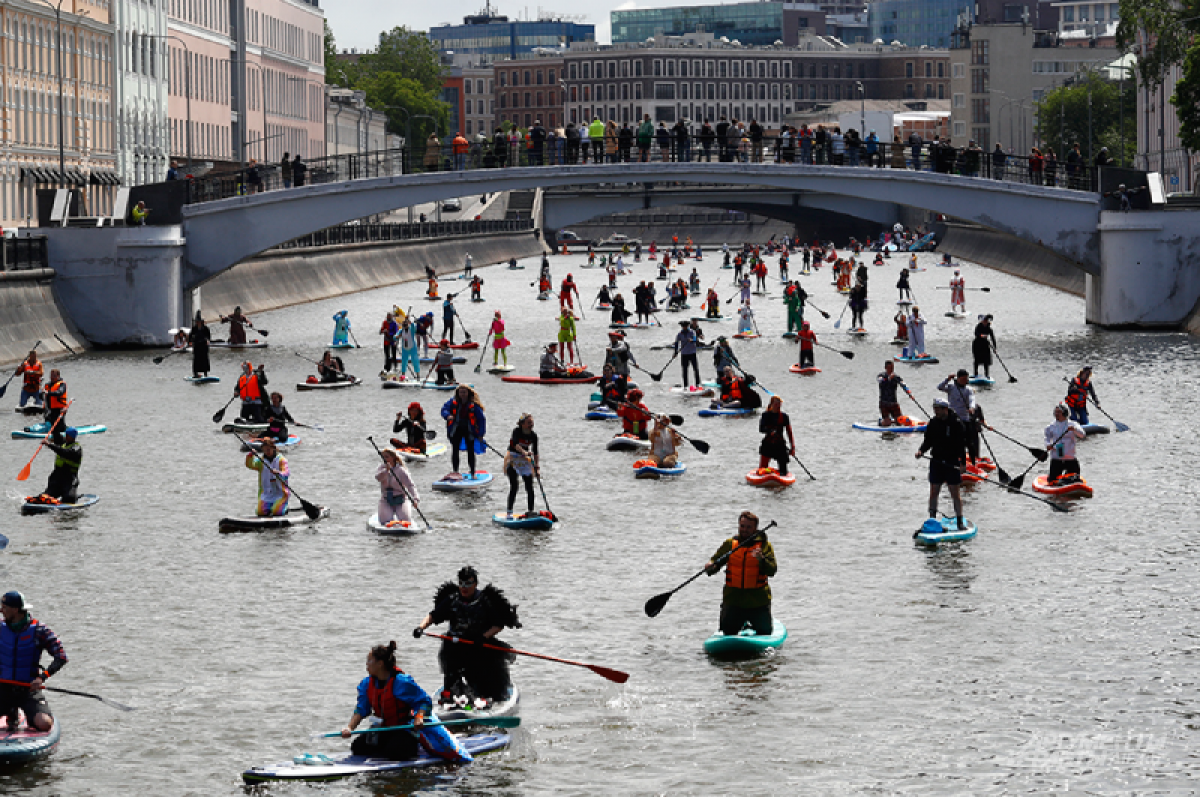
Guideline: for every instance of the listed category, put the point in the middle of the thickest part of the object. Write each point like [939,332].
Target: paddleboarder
[958,292]
[63,483]
[250,389]
[465,427]
[410,350]
[962,401]
[476,289]
[444,363]
[807,338]
[478,615]
[55,397]
[773,426]
[1078,390]
[199,338]
[889,404]
[341,328]
[982,345]
[273,474]
[23,640]
[567,333]
[390,330]
[551,367]
[745,319]
[278,417]
[396,488]
[746,599]
[945,440]
[237,326]
[618,354]
[635,416]
[858,305]
[794,297]
[568,291]
[1060,439]
[449,311]
[396,699]
[723,355]
[686,346]
[903,286]
[664,443]
[499,340]
[612,387]
[412,427]
[521,460]
[331,369]
[31,372]
[916,333]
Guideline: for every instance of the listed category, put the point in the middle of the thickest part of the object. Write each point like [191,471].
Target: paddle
[428,527]
[1040,453]
[999,470]
[263,332]
[801,464]
[466,331]
[157,360]
[677,420]
[838,324]
[914,399]
[1119,426]
[312,510]
[220,414]
[103,700]
[495,722]
[658,377]
[1017,482]
[483,352]
[819,310]
[1011,379]
[948,288]
[616,676]
[1011,489]
[538,475]
[750,380]
[849,355]
[25,471]
[351,377]
[315,426]
[357,345]
[656,604]
[66,345]
[4,387]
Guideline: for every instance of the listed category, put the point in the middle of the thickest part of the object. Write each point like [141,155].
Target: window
[774,69]
[737,69]
[571,72]
[737,91]
[762,69]
[941,91]
[812,72]
[979,53]
[683,91]
[468,106]
[683,68]
[837,71]
[959,70]
[981,112]
[928,91]
[637,91]
[670,69]
[528,82]
[980,81]
[941,69]
[1083,13]
[664,91]
[959,101]
[722,69]
[1068,13]
[929,69]
[712,89]
[724,91]
[908,69]
[612,92]
[787,69]
[586,70]
[551,78]
[637,68]
[908,91]
[960,129]
[1098,12]
[624,69]
[540,77]
[503,79]
[664,113]
[825,71]
[657,68]
[467,87]
[1114,11]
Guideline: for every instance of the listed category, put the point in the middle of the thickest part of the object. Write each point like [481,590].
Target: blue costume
[341,328]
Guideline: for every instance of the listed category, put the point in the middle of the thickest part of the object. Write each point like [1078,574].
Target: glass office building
[498,39]
[749,23]
[917,22]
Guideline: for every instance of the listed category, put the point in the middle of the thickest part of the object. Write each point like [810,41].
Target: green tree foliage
[335,75]
[1187,90]
[407,53]
[1150,30]
[1063,117]
[389,91]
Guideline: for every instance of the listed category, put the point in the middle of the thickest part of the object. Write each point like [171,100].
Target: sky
[357,23]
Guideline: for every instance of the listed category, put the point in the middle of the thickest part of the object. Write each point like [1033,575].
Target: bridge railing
[787,152]
[350,234]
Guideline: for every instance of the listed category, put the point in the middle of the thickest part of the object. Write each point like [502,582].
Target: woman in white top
[397,490]
[663,443]
[1060,442]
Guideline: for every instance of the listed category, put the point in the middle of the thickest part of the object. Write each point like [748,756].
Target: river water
[1054,653]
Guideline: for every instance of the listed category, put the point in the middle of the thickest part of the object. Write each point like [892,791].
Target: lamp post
[187,86]
[862,116]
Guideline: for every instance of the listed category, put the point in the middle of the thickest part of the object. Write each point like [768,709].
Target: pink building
[254,73]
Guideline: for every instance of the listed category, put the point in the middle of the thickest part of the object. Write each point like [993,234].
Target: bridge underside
[223,233]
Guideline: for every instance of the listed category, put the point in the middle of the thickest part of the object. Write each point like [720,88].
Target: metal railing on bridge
[787,152]
[350,234]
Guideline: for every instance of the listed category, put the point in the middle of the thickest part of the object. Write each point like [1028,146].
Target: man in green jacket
[596,134]
[750,562]
[645,138]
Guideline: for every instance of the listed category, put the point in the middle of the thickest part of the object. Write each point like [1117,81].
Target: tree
[1151,30]
[408,53]
[1063,118]
[1187,90]
[335,73]
[390,91]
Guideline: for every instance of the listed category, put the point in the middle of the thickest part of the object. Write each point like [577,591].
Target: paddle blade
[656,604]
[25,471]
[1039,454]
[837,324]
[849,355]
[822,312]
[1058,507]
[219,415]
[1016,483]
[616,676]
[676,419]
[1119,426]
[312,510]
[430,434]
[3,542]
[700,446]
[986,290]
[1012,380]
[157,360]
[656,377]
[263,332]
[1003,474]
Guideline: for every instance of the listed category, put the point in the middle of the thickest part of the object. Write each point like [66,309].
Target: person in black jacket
[537,143]
[723,140]
[500,148]
[707,136]
[625,142]
[946,442]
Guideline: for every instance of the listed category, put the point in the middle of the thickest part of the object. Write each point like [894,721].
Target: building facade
[247,80]
[352,126]
[750,24]
[696,78]
[140,66]
[487,38]
[917,23]
[1159,147]
[479,101]
[529,91]
[30,80]
[999,74]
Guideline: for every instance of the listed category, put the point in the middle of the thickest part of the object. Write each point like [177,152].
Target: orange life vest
[33,376]
[741,570]
[1077,393]
[56,402]
[248,389]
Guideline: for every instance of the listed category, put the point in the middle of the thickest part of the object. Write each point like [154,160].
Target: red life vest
[384,703]
[807,338]
[742,571]
[248,389]
[56,402]
[1077,394]
[33,376]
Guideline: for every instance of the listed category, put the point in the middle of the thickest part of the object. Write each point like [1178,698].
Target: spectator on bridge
[1103,158]
[611,139]
[299,170]
[625,142]
[596,136]
[254,177]
[722,140]
[1050,167]
[285,170]
[173,172]
[663,137]
[756,141]
[681,139]
[645,137]
[537,143]
[572,136]
[820,145]
[915,142]
[837,147]
[139,214]
[500,148]
[1036,162]
[872,150]
[998,161]
[433,153]
[972,159]
[459,147]
[1074,162]
[897,154]
[707,137]
[806,145]
[853,147]
[744,145]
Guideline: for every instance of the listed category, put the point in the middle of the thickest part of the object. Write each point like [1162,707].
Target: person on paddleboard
[466,426]
[63,483]
[449,311]
[962,401]
[982,345]
[916,333]
[774,426]
[412,427]
[736,392]
[468,266]
[551,367]
[946,442]
[664,443]
[686,345]
[444,363]
[723,355]
[1060,438]
[958,292]
[30,370]
[618,354]
[522,460]
[807,338]
[341,328]
[889,404]
[903,286]
[794,298]
[568,292]
[250,388]
[424,328]
[1078,391]
[745,318]
[476,616]
[237,326]
[273,475]
[277,418]
[390,330]
[746,599]
[476,289]
[396,699]
[499,340]
[858,305]
[612,387]
[567,333]
[397,489]
[635,416]
[54,397]
[23,640]
[410,349]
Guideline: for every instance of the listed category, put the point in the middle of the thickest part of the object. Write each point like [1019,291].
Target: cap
[635,394]
[416,404]
[615,334]
[14,599]
[956,272]
[444,342]
[70,433]
[941,402]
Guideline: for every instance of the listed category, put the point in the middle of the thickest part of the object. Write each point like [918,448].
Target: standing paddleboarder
[273,474]
[746,599]
[945,440]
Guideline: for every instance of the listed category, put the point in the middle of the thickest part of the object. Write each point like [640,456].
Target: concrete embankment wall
[1010,255]
[293,276]
[29,313]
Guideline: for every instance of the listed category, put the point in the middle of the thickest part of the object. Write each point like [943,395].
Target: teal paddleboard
[746,644]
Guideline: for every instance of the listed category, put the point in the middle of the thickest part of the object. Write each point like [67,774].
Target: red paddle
[25,471]
[616,676]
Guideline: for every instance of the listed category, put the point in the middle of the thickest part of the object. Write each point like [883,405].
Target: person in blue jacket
[465,427]
[396,699]
[22,642]
[341,328]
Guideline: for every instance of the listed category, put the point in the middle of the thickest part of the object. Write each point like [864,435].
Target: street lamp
[862,119]
[187,85]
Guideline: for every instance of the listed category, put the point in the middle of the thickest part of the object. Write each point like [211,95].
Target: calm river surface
[1054,653]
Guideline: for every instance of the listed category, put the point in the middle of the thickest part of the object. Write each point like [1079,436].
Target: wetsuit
[773,426]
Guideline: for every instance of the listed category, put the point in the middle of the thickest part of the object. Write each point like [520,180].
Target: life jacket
[33,377]
[56,401]
[384,703]
[634,418]
[248,388]
[1077,394]
[19,652]
[471,416]
[71,464]
[543,285]
[733,391]
[807,338]
[741,570]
